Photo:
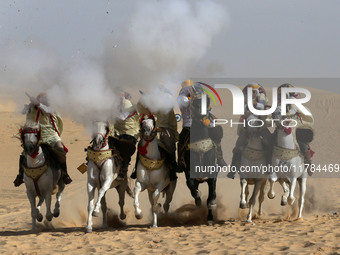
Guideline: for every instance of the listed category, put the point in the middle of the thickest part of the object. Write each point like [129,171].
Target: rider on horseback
[38,111]
[187,93]
[167,135]
[304,132]
[126,131]
[259,102]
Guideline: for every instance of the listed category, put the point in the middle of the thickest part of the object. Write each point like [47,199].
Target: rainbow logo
[209,93]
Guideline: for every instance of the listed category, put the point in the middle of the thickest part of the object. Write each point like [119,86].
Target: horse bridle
[152,135]
[105,137]
[27,130]
[153,131]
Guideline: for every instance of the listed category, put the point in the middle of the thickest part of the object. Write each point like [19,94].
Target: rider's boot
[66,178]
[236,161]
[20,177]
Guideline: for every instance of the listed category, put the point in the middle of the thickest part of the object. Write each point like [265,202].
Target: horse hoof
[299,219]
[271,196]
[56,214]
[49,218]
[122,216]
[210,223]
[154,226]
[39,217]
[198,201]
[139,216]
[291,201]
[243,205]
[249,221]
[95,214]
[166,208]
[88,230]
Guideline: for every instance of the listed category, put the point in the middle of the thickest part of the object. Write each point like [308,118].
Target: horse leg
[39,215]
[271,192]
[291,197]
[169,194]
[211,201]
[34,210]
[138,188]
[101,193]
[243,202]
[121,188]
[90,191]
[285,192]
[196,194]
[155,206]
[253,199]
[104,211]
[272,178]
[302,183]
[48,200]
[193,187]
[247,194]
[261,197]
[56,211]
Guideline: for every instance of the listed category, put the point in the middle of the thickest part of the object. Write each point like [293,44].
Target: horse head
[148,127]
[196,106]
[283,120]
[30,136]
[100,134]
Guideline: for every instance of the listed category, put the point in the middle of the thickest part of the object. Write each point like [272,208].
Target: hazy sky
[261,38]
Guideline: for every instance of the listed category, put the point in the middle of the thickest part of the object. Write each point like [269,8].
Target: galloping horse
[39,177]
[152,172]
[286,155]
[200,150]
[102,170]
[253,156]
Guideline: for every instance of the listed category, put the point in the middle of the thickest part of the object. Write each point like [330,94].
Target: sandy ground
[183,230]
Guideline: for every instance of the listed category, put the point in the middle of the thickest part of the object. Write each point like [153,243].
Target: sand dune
[183,230]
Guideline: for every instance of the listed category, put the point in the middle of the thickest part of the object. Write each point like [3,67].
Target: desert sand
[184,229]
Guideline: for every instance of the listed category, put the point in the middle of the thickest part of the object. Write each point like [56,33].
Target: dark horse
[200,153]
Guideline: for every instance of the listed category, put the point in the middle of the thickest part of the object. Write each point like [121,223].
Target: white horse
[253,157]
[290,163]
[102,170]
[40,179]
[152,173]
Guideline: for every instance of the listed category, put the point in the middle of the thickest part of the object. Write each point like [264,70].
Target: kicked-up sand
[184,229]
